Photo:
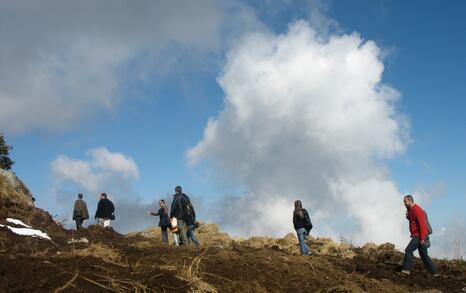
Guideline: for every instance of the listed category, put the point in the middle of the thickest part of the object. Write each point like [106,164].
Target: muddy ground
[138,262]
[111,262]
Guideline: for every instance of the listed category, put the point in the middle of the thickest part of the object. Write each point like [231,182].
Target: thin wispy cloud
[62,63]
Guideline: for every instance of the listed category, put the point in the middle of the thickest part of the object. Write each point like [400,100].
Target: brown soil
[139,262]
[119,263]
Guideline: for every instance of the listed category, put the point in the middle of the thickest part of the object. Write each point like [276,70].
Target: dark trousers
[164,234]
[408,259]
[79,223]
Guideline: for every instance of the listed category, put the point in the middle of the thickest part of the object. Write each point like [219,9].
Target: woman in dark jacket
[164,220]
[301,222]
[191,223]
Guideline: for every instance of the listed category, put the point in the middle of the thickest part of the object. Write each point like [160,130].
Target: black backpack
[188,211]
[307,222]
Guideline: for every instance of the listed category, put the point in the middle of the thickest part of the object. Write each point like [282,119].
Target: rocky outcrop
[15,198]
[14,182]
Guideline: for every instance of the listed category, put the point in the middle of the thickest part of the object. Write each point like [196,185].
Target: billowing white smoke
[307,119]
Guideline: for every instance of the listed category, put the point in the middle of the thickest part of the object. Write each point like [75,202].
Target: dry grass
[141,245]
[329,247]
[68,284]
[258,242]
[101,251]
[40,253]
[288,244]
[118,285]
[19,197]
[210,235]
[193,273]
[14,203]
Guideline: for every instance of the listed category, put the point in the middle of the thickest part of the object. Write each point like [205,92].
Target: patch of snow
[28,232]
[17,222]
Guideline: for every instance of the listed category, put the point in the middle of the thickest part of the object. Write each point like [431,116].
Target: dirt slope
[139,262]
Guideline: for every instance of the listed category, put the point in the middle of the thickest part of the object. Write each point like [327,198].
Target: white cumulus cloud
[307,118]
[115,162]
[95,174]
[102,171]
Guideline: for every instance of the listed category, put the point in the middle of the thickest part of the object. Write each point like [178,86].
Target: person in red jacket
[419,237]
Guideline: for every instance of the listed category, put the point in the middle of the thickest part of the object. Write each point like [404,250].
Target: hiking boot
[406,272]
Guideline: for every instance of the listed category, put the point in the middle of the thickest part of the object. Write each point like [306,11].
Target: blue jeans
[183,232]
[302,234]
[192,235]
[408,259]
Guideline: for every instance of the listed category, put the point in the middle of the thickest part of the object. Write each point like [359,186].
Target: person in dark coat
[105,211]
[301,222]
[191,223]
[164,220]
[80,212]
[180,212]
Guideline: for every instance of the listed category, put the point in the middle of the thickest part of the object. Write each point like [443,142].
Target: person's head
[103,195]
[178,189]
[298,205]
[80,195]
[408,201]
[161,203]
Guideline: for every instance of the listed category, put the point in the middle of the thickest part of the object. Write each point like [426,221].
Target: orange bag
[174,223]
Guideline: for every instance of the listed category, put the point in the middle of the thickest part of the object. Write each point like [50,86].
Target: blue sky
[156,119]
